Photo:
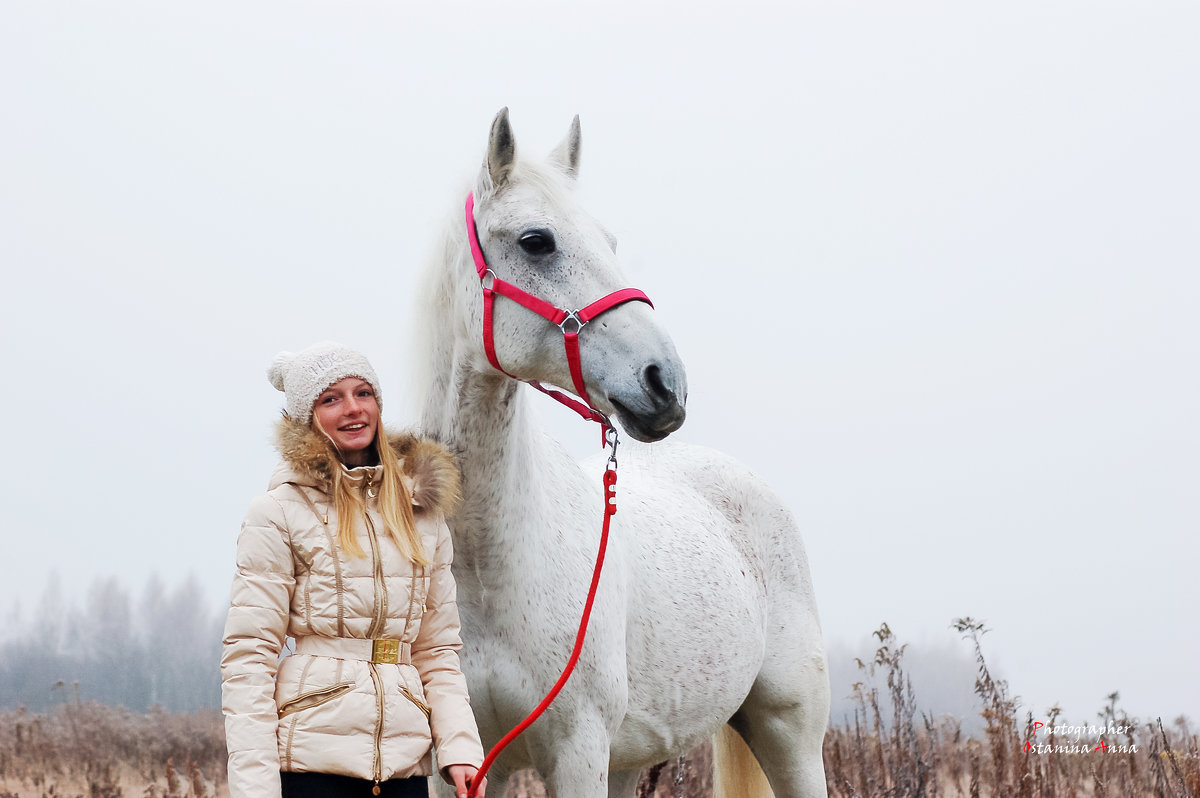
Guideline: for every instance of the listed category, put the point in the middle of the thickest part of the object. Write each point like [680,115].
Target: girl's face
[349,414]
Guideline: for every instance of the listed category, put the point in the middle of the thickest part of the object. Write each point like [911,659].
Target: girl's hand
[462,776]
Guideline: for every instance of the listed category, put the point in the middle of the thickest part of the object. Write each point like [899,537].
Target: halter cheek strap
[571,322]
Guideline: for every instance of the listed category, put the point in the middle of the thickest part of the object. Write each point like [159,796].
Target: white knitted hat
[304,375]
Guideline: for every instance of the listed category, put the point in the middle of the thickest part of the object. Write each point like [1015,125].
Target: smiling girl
[349,554]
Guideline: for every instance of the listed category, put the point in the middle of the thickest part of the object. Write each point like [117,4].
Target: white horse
[705,614]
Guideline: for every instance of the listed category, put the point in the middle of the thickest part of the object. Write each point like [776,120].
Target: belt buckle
[385,652]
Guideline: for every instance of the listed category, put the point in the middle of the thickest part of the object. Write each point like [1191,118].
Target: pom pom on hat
[278,369]
[302,376]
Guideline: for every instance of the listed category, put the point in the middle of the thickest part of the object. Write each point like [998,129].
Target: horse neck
[509,466]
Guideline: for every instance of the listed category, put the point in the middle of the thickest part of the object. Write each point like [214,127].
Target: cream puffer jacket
[328,707]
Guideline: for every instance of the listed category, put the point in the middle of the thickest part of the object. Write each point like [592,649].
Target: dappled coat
[328,708]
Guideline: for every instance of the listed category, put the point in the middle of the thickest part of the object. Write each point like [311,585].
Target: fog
[931,266]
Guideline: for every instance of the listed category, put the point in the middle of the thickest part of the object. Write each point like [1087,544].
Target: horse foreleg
[575,764]
[623,783]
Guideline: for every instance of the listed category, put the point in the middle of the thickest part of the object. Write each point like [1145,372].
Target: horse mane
[431,301]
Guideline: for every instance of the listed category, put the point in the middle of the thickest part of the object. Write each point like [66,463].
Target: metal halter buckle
[488,278]
[572,318]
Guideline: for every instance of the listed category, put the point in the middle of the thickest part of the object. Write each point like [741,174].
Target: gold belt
[382,652]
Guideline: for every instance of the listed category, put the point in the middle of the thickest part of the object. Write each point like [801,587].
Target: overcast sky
[932,267]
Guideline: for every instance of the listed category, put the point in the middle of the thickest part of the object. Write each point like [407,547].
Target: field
[89,750]
[891,750]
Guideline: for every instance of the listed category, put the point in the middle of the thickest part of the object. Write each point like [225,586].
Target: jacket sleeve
[435,655]
[254,635]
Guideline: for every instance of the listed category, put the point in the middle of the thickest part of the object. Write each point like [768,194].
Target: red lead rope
[570,322]
[610,508]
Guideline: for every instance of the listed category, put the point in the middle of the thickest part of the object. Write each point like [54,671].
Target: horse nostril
[653,383]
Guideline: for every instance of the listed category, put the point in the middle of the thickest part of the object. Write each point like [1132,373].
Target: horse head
[535,236]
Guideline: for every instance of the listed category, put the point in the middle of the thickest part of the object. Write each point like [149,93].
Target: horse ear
[566,154]
[501,155]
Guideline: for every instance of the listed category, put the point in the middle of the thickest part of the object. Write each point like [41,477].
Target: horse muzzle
[657,409]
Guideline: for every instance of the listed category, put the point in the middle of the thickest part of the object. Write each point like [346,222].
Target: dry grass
[87,749]
[889,749]
[900,755]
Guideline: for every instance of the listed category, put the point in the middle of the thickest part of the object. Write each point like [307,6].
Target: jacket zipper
[380,585]
[421,705]
[378,766]
[374,631]
[314,698]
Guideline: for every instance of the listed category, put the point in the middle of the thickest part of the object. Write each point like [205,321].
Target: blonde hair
[395,502]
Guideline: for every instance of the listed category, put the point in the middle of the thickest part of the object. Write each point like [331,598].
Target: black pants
[327,785]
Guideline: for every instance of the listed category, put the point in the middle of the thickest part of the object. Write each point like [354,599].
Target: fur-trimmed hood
[427,465]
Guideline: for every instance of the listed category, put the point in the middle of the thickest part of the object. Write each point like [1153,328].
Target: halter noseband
[569,321]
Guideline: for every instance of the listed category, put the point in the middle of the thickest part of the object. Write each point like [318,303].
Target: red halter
[569,321]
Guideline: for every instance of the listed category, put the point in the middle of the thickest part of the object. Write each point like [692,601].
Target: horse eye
[537,242]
